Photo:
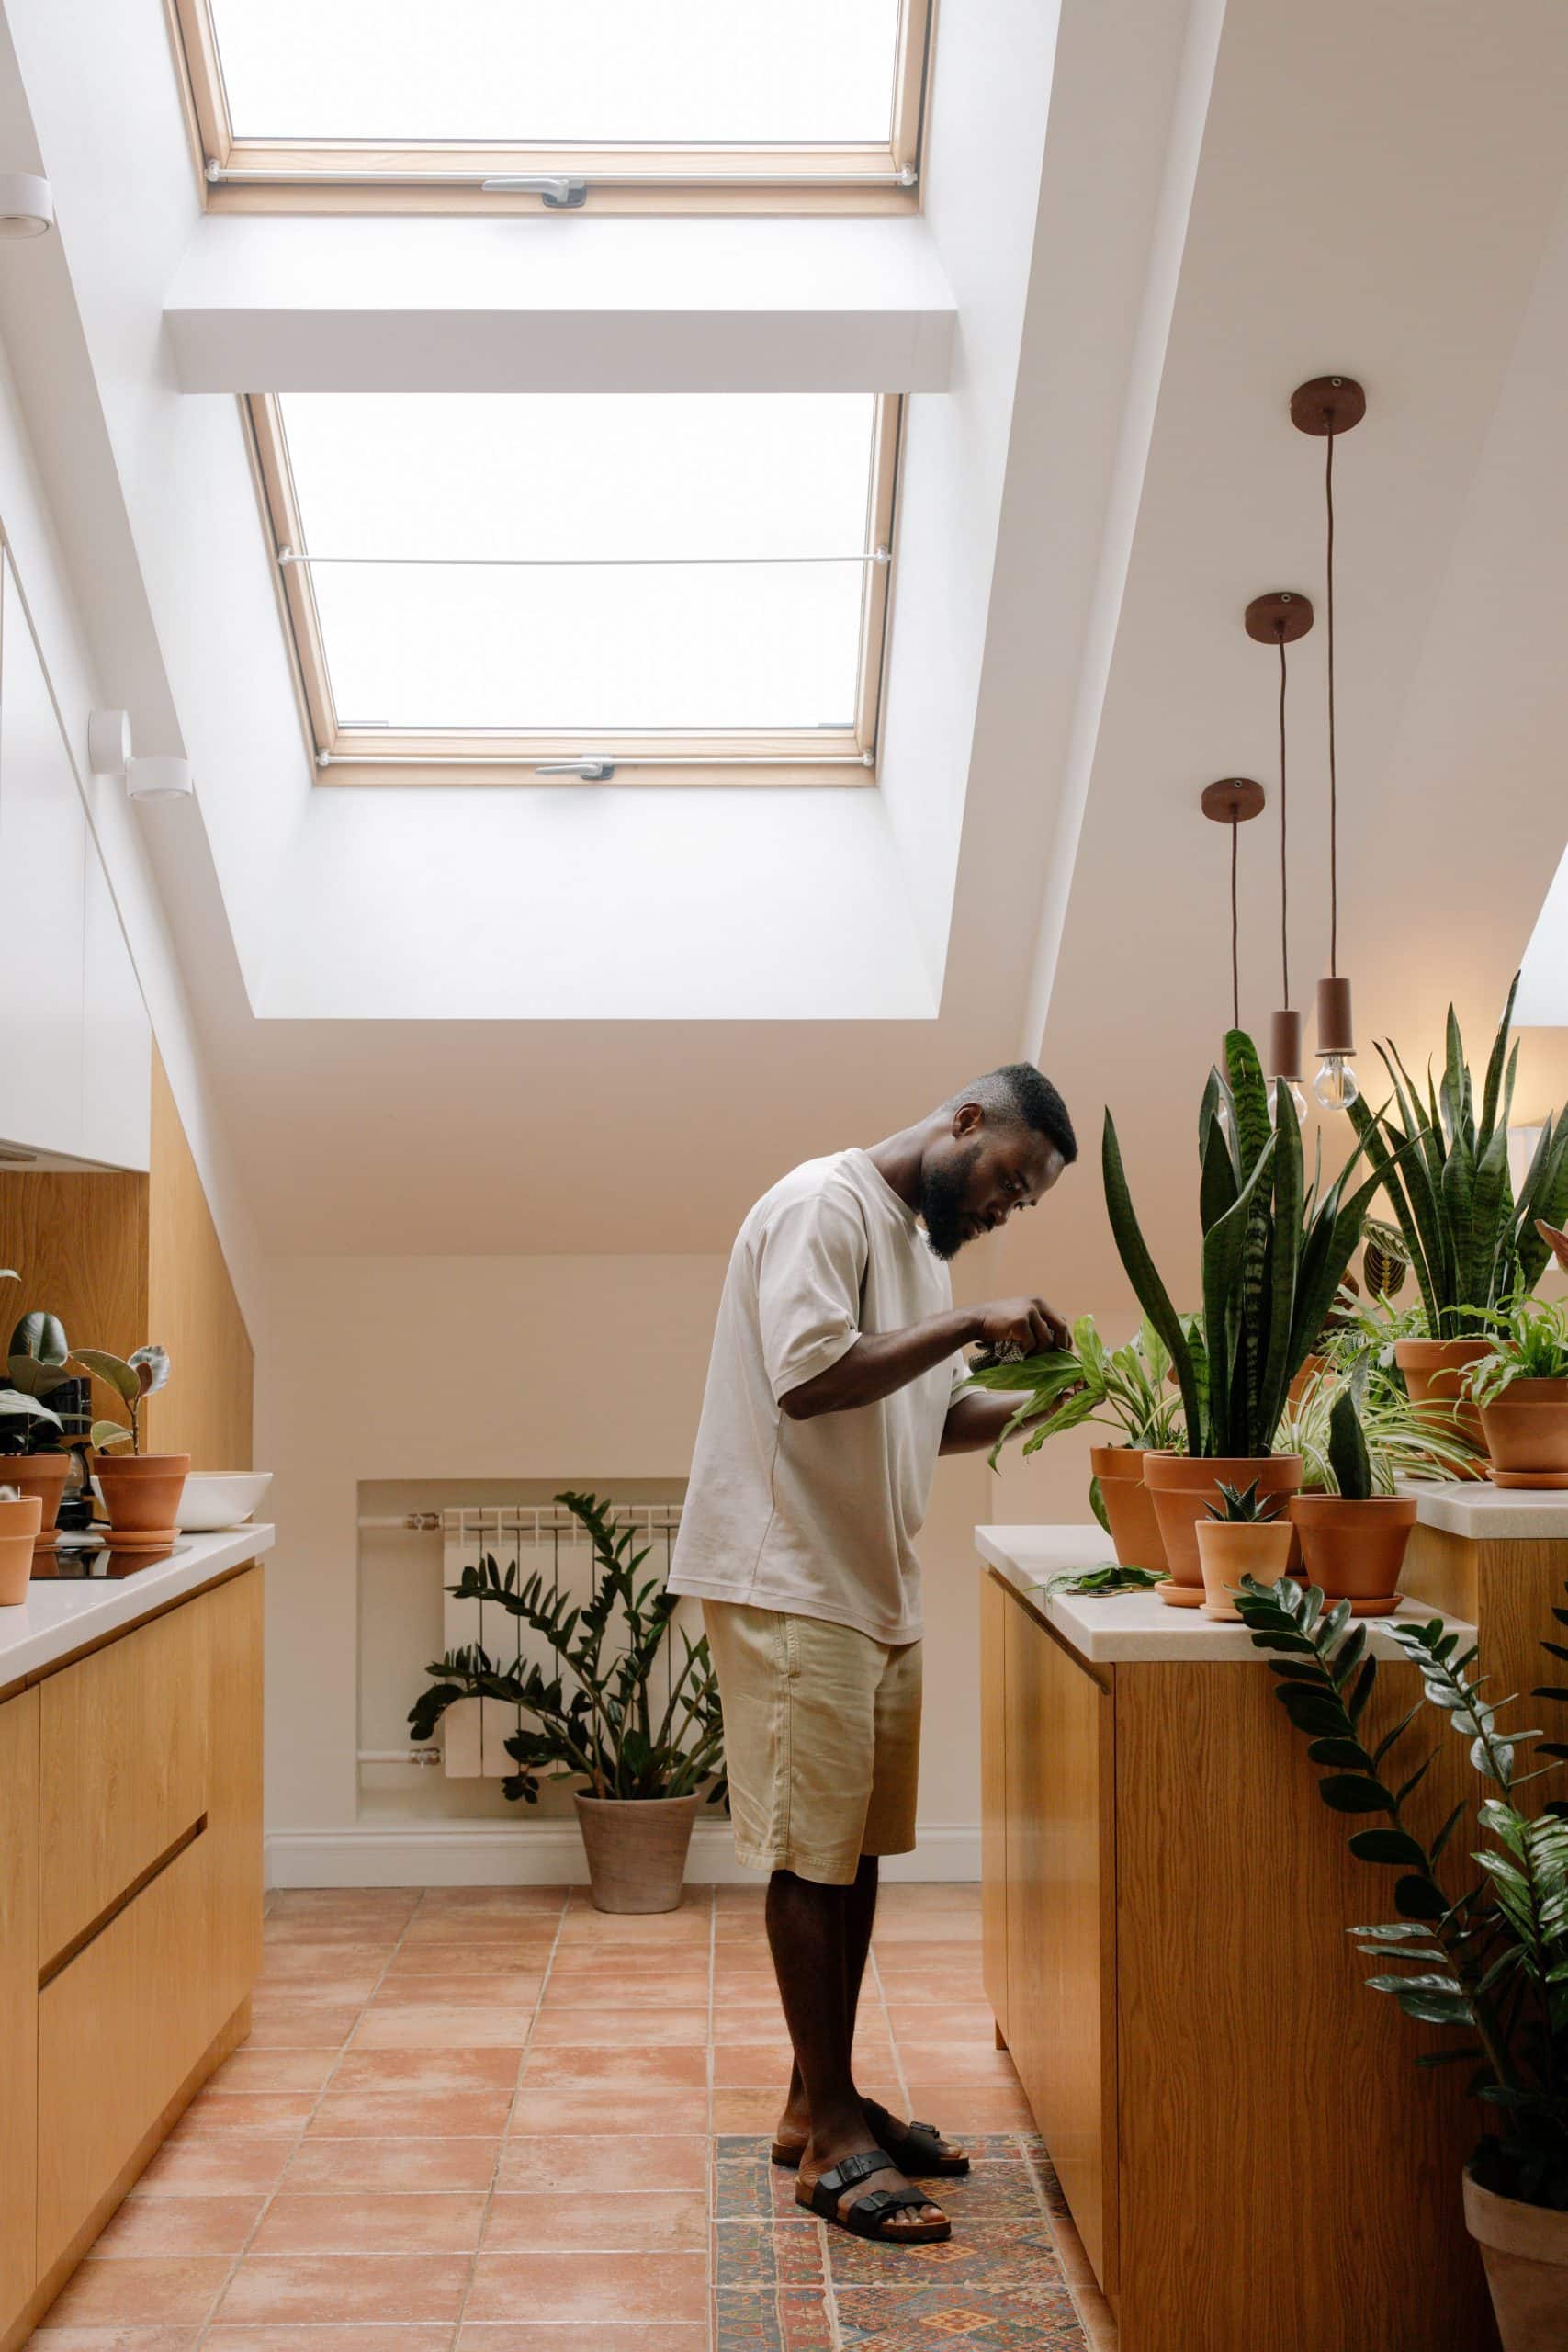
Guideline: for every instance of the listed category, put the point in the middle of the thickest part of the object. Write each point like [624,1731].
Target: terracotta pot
[19,1524]
[1355,1551]
[1431,1368]
[1230,1549]
[1134,1531]
[43,1474]
[1184,1485]
[142,1491]
[1524,2249]
[1527,1433]
[637,1849]
[1311,1367]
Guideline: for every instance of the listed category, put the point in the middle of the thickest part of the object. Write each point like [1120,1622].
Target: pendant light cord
[1332,773]
[1235,951]
[1284,873]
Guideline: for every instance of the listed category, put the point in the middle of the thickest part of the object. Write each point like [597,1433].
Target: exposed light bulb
[1337,1087]
[1294,1088]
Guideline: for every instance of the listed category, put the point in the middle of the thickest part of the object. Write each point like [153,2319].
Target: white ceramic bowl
[215,1499]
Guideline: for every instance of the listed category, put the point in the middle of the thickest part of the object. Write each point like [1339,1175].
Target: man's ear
[966,1118]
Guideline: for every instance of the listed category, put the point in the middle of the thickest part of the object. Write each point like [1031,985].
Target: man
[831,1391]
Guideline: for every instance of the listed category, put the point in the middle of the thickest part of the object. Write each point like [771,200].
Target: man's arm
[880,1361]
[976,1421]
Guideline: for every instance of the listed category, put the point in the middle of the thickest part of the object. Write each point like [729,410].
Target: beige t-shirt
[817,1517]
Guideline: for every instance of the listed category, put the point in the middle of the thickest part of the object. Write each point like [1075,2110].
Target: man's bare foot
[794,2129]
[822,2154]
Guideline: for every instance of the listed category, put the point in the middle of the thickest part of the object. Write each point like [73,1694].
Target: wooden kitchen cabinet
[18,2003]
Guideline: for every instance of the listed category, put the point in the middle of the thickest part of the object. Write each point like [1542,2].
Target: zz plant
[1486,1956]
[1275,1250]
[592,1715]
[1471,1244]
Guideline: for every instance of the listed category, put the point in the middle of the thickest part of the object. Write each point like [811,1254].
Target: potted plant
[1125,1388]
[36,1445]
[1470,1243]
[20,1519]
[1275,1251]
[1354,1533]
[646,1763]
[141,1492]
[1244,1535]
[1484,1956]
[1520,1388]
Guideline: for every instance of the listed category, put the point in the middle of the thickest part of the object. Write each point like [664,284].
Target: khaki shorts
[821,1739]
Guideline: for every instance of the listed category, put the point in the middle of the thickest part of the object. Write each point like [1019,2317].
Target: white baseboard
[545,1853]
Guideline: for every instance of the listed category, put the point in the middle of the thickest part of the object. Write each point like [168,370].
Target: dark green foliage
[1492,1960]
[1275,1252]
[1348,1456]
[595,1717]
[1243,1506]
[1471,1244]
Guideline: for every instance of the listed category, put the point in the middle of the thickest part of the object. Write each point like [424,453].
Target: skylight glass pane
[420,642]
[518,72]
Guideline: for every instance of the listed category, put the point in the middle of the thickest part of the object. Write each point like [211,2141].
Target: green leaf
[1396,1847]
[42,1337]
[113,1371]
[1354,1793]
[1417,1898]
[1148,1288]
[12,1400]
[103,1434]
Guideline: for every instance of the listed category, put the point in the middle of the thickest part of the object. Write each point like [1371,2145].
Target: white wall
[571,1369]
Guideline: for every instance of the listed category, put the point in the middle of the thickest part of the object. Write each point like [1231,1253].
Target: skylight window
[336,103]
[675,584]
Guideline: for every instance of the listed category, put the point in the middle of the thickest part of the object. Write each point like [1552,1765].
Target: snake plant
[1471,1244]
[1275,1252]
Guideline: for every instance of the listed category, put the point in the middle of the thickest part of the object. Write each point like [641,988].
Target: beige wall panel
[206,1412]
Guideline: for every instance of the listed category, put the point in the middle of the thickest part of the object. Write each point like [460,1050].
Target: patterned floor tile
[760,2256]
[789,2322]
[891,2319]
[1015,2253]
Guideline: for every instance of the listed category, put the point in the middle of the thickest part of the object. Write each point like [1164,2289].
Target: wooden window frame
[427,176]
[818,756]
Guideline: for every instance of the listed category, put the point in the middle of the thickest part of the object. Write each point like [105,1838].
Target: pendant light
[1327,406]
[1233,801]
[1280,618]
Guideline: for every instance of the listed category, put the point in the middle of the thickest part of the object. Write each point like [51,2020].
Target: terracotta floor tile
[604,2166]
[540,1901]
[438,2069]
[300,2025]
[606,2108]
[643,2068]
[478,1930]
[628,2337]
[551,2220]
[764,2066]
[388,2336]
[345,2287]
[179,2225]
[971,2022]
[467,1987]
[931,1988]
[636,1933]
[959,2109]
[410,2115]
[748,2021]
[217,2165]
[252,2111]
[461,1955]
[599,1989]
[562,2288]
[127,2336]
[415,2026]
[392,2164]
[343,1902]
[346,1990]
[364,1934]
[291,1962]
[139,2287]
[753,2112]
[275,2070]
[922,1956]
[957,2061]
[594,2028]
[372,2222]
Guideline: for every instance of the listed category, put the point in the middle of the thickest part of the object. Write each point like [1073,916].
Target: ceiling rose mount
[1280,617]
[1232,800]
[1328,404]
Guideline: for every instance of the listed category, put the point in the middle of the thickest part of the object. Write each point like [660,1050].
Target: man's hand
[1031,1323]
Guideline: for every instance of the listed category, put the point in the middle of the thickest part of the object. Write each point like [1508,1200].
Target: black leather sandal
[869,2215]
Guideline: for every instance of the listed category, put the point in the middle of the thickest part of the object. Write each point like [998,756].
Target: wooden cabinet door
[123,1770]
[994,1607]
[234,1792]
[18,2003]
[1060,1843]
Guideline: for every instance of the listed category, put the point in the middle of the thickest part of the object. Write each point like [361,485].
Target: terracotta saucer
[1379,1605]
[1180,1596]
[139,1539]
[1555,1479]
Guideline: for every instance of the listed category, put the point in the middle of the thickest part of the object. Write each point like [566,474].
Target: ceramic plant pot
[19,1524]
[1355,1551]
[1311,1367]
[1432,1369]
[141,1495]
[1230,1549]
[1135,1529]
[1524,2249]
[637,1849]
[43,1474]
[1184,1485]
[1527,1433]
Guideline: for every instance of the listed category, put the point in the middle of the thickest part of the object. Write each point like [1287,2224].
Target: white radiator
[473,1731]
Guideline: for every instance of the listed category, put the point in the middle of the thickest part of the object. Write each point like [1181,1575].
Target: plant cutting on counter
[646,1771]
[1488,1959]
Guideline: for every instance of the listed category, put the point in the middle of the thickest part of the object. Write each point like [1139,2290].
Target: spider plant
[1400,1442]
[1485,1957]
[1124,1389]
[1275,1250]
[1471,1244]
[1529,1341]
[593,1716]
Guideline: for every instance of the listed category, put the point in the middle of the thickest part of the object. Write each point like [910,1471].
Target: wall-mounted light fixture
[26,205]
[163,776]
[108,741]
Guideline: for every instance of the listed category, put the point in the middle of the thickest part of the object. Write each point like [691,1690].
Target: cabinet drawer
[119,2031]
[123,1739]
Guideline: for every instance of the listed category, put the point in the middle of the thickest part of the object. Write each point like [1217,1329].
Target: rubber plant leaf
[41,1336]
[12,1400]
[107,1433]
[114,1371]
[151,1365]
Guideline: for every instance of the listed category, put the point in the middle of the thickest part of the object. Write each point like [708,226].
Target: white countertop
[1488,1513]
[1137,1628]
[61,1614]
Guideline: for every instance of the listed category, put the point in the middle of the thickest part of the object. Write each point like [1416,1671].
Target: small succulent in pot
[133,1379]
[1243,1506]
[1243,1528]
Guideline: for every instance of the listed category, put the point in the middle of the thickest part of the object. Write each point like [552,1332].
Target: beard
[942,1191]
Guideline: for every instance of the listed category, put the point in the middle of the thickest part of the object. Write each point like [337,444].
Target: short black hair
[1019,1091]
